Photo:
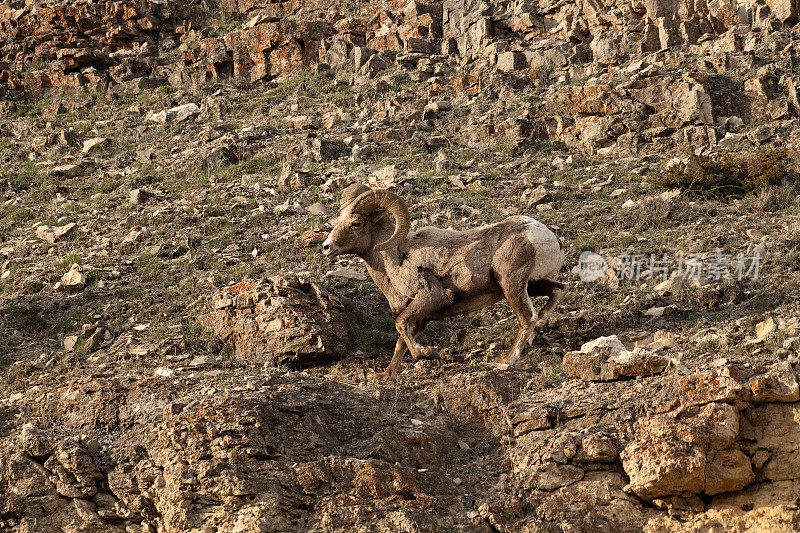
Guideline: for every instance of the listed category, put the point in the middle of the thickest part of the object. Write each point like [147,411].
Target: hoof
[383,377]
[426,352]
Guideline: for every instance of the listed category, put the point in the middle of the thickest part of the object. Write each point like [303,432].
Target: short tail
[544,287]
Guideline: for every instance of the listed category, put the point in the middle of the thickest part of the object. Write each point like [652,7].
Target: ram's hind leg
[516,293]
[554,291]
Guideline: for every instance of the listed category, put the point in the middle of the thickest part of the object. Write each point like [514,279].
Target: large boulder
[280,322]
[691,450]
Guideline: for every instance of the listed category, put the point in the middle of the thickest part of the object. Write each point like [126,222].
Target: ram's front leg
[432,297]
[400,350]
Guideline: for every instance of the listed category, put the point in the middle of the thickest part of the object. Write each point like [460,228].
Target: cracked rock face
[281,322]
[709,449]
[282,454]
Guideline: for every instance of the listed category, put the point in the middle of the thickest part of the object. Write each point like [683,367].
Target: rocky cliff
[614,79]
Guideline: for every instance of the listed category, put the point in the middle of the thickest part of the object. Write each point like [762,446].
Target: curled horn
[351,192]
[369,201]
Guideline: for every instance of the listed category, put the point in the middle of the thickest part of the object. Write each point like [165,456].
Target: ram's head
[361,227]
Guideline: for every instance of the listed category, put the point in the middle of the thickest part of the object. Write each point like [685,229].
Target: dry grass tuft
[727,175]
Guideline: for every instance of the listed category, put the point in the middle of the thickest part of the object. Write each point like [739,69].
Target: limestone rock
[607,359]
[687,451]
[511,61]
[663,468]
[725,384]
[778,384]
[74,280]
[597,448]
[35,442]
[95,142]
[52,234]
[551,476]
[727,471]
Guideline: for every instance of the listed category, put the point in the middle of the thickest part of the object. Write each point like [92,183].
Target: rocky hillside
[177,355]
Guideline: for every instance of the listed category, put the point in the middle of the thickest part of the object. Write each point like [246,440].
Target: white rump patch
[538,233]
[549,255]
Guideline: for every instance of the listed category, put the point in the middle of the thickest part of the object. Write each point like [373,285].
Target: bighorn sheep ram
[435,273]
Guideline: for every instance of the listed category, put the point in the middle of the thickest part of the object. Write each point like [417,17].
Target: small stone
[755,235]
[203,360]
[94,342]
[765,329]
[183,112]
[160,117]
[74,280]
[69,342]
[317,209]
[759,458]
[136,235]
[655,311]
[164,372]
[536,196]
[96,142]
[142,350]
[668,196]
[456,182]
[384,177]
[68,171]
[52,234]
[139,196]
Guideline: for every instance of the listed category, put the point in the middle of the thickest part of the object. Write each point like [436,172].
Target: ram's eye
[356,224]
